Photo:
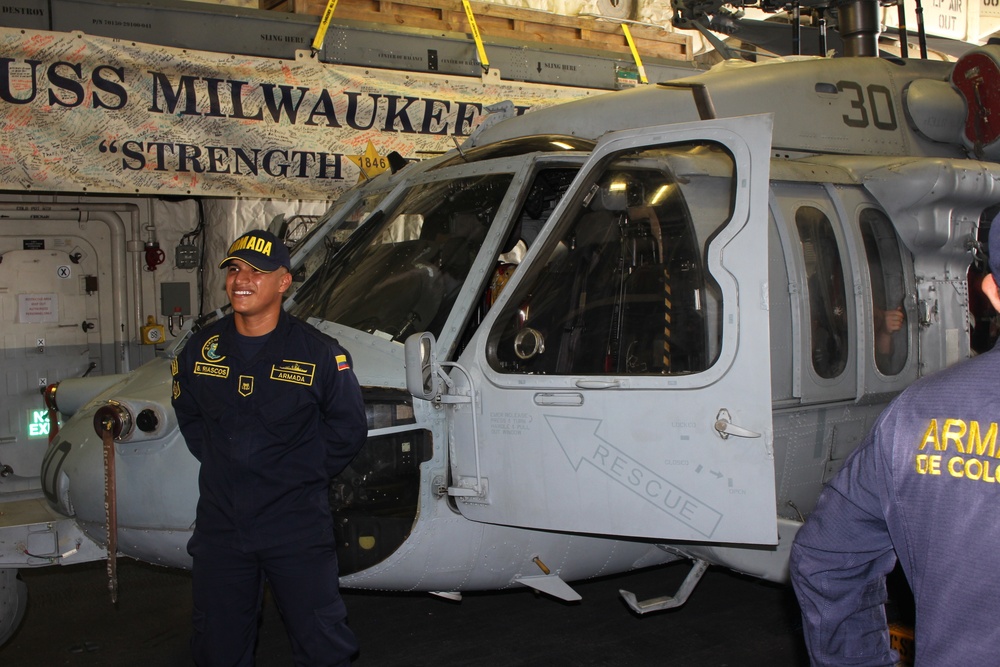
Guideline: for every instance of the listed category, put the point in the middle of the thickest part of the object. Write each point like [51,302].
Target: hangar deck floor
[729,620]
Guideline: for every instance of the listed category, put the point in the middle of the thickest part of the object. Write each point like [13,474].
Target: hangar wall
[77,289]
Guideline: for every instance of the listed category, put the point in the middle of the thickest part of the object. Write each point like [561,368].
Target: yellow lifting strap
[483,60]
[635,53]
[324,23]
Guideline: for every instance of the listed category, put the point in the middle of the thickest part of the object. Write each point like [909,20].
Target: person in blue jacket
[272,410]
[921,488]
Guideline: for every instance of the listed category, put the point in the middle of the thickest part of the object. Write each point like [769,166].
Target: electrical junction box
[186,256]
[175,299]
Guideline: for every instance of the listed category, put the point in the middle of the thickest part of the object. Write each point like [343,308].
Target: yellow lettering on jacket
[969,437]
[953,431]
[296,372]
[974,469]
[211,370]
[929,464]
[931,436]
[983,445]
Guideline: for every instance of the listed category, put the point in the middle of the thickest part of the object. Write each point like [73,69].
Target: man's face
[252,292]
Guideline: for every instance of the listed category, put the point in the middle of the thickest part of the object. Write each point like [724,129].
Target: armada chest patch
[296,372]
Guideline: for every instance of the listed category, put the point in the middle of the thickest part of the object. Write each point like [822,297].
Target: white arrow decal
[580,442]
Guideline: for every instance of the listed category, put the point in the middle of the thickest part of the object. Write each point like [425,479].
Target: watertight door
[622,380]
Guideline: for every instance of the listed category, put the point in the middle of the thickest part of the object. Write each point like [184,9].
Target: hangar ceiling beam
[272,34]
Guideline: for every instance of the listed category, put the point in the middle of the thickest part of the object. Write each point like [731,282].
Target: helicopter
[625,331]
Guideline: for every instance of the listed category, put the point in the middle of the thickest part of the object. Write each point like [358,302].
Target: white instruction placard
[37,308]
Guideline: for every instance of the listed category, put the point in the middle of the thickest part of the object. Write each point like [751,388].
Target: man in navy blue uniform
[272,410]
[923,488]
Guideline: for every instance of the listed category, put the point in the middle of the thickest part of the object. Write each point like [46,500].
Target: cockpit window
[885,268]
[626,289]
[325,249]
[827,295]
[402,270]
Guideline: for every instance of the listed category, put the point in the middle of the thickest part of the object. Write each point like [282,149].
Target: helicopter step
[694,575]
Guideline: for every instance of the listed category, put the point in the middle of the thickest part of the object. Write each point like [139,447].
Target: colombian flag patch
[342,364]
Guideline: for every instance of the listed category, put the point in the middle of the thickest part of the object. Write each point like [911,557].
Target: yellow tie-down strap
[324,23]
[483,60]
[635,53]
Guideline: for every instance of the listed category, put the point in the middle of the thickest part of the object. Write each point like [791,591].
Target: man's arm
[185,406]
[345,426]
[839,562]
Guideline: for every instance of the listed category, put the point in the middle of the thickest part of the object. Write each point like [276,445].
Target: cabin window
[826,292]
[888,290]
[624,288]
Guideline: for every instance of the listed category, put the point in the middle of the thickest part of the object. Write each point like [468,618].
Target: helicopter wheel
[13,602]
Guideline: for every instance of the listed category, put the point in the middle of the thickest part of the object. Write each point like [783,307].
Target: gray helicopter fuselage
[660,319]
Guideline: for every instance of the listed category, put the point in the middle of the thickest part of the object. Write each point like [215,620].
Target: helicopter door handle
[552,398]
[726,428]
[599,384]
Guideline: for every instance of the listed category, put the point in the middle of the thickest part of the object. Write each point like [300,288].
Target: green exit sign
[38,423]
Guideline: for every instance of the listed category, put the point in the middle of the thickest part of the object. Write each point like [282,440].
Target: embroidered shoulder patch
[210,351]
[342,364]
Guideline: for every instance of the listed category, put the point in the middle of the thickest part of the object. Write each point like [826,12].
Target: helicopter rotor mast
[858,20]
[860,27]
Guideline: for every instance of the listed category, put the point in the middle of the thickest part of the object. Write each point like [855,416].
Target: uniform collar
[275,347]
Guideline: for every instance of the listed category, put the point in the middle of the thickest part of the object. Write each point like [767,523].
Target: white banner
[943,18]
[98,115]
[989,9]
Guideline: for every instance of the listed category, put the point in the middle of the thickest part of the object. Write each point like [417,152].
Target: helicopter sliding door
[625,384]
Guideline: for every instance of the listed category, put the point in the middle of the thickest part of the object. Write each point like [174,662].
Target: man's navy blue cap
[994,249]
[260,249]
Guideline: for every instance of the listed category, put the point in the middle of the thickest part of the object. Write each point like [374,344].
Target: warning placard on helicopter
[943,18]
[93,114]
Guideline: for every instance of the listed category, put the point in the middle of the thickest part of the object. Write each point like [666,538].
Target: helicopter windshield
[402,270]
